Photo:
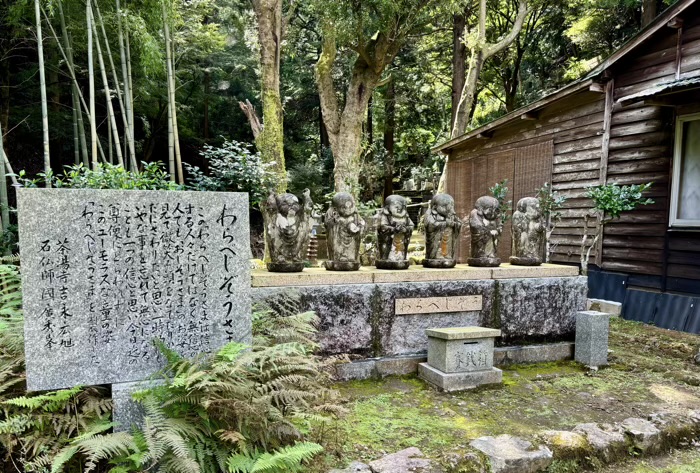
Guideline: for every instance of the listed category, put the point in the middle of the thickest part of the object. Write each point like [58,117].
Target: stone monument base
[484,262]
[523,261]
[342,265]
[388,264]
[439,263]
[285,267]
[450,382]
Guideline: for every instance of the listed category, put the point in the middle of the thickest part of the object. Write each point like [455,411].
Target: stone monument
[288,226]
[394,234]
[442,228]
[107,272]
[485,228]
[528,233]
[592,329]
[460,358]
[344,230]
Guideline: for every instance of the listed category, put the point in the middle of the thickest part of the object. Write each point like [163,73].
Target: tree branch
[326,89]
[253,118]
[492,49]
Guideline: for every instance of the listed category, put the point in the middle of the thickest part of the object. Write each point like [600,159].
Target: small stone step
[410,460]
[509,454]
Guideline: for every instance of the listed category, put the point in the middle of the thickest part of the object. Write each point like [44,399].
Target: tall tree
[374,31]
[269,135]
[44,101]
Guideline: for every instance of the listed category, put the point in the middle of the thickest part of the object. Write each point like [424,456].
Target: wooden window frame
[673,221]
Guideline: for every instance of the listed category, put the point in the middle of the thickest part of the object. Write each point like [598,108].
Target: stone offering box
[460,358]
[374,314]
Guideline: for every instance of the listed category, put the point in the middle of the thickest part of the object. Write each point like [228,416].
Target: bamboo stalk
[44,102]
[91,80]
[108,95]
[176,132]
[171,95]
[127,102]
[4,201]
[130,97]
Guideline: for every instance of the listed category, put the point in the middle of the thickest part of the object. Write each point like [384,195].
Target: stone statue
[442,228]
[394,234]
[288,226]
[528,233]
[344,230]
[486,227]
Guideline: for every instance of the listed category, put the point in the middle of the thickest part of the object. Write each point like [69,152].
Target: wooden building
[632,120]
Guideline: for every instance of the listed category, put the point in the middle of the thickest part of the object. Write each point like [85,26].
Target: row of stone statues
[288,225]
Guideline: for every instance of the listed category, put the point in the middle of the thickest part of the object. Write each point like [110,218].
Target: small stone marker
[438,305]
[107,272]
[592,338]
[460,358]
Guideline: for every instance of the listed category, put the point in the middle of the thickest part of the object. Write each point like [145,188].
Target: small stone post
[592,329]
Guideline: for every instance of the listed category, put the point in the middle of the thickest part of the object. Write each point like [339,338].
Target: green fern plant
[242,409]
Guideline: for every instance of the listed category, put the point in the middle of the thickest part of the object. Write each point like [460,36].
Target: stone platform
[450,382]
[384,313]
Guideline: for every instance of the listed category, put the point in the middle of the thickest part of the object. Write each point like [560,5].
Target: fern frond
[286,459]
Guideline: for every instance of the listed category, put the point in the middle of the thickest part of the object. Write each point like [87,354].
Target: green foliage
[108,176]
[550,202]
[500,192]
[242,409]
[611,200]
[234,168]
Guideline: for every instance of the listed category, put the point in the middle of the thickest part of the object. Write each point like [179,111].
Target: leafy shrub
[108,176]
[234,168]
[499,191]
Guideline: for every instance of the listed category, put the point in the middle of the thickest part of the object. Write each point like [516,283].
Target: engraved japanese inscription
[436,305]
[106,273]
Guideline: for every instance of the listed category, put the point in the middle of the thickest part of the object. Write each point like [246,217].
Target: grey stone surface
[607,440]
[393,234]
[354,467]
[566,444]
[485,227]
[288,230]
[536,309]
[410,460]
[356,370]
[528,233]
[504,356]
[460,355]
[125,411]
[601,305]
[509,454]
[344,228]
[442,229]
[592,338]
[450,382]
[644,434]
[398,365]
[106,272]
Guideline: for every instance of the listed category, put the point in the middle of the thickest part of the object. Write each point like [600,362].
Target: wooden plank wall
[573,129]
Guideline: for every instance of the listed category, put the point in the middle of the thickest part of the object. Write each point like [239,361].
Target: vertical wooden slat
[501,166]
[605,150]
[459,185]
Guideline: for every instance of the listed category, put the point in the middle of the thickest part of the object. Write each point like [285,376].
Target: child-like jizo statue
[394,234]
[486,227]
[442,228]
[344,230]
[288,226]
[528,233]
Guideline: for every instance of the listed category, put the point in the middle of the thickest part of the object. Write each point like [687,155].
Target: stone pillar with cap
[460,358]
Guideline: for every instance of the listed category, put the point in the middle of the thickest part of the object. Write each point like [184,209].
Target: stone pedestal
[592,338]
[460,358]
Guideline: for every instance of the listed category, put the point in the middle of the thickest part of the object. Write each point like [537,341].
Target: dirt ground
[650,370]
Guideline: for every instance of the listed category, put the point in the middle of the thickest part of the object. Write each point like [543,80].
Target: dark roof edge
[582,83]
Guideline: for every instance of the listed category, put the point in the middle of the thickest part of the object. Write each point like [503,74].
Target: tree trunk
[91,80]
[127,94]
[459,60]
[4,201]
[389,129]
[4,94]
[108,97]
[270,139]
[207,87]
[648,11]
[44,104]
[370,124]
[171,97]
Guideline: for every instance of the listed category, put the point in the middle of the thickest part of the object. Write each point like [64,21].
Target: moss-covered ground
[651,370]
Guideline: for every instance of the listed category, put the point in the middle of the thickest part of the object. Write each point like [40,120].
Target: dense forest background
[375,83]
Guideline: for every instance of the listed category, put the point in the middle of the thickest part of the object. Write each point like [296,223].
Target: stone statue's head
[344,204]
[443,204]
[395,205]
[288,203]
[529,206]
[487,206]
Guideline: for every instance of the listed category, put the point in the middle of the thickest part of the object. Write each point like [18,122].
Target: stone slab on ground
[548,352]
[565,444]
[644,434]
[609,307]
[354,467]
[508,454]
[592,329]
[450,382]
[410,460]
[106,272]
[607,440]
